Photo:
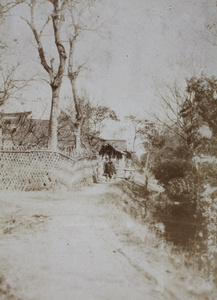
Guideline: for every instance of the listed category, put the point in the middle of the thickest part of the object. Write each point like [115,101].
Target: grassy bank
[181,262]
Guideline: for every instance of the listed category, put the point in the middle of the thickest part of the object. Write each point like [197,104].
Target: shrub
[165,171]
[177,206]
[208,172]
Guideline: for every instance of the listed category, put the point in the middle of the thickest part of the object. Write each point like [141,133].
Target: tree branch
[164,123]
[58,19]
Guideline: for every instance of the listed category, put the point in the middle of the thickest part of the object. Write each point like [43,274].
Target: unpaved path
[77,246]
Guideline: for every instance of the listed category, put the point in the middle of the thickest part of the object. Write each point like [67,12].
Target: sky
[156,40]
[142,43]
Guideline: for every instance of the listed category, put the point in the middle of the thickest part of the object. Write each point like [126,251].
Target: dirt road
[79,245]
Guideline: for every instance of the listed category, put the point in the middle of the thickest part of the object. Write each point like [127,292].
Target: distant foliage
[201,102]
[184,161]
[93,118]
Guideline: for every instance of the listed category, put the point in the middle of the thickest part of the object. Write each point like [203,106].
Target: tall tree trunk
[78,139]
[53,123]
[134,141]
[72,75]
[147,161]
[78,118]
[56,75]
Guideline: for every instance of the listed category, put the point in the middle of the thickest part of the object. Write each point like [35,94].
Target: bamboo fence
[40,169]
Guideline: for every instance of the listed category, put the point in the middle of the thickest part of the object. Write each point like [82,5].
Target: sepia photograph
[108,150]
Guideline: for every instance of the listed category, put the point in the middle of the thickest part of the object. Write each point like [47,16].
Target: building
[114,149]
[20,131]
[10,123]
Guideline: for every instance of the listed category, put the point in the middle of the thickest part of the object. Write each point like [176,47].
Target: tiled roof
[16,115]
[117,144]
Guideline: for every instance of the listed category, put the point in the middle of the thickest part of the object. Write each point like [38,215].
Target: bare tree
[77,10]
[97,114]
[136,123]
[72,13]
[186,112]
[171,97]
[92,118]
[6,5]
[54,68]
[11,84]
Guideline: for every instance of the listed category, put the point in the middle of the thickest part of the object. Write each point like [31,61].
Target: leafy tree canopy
[201,102]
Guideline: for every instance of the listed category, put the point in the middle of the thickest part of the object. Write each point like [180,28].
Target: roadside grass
[172,266]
